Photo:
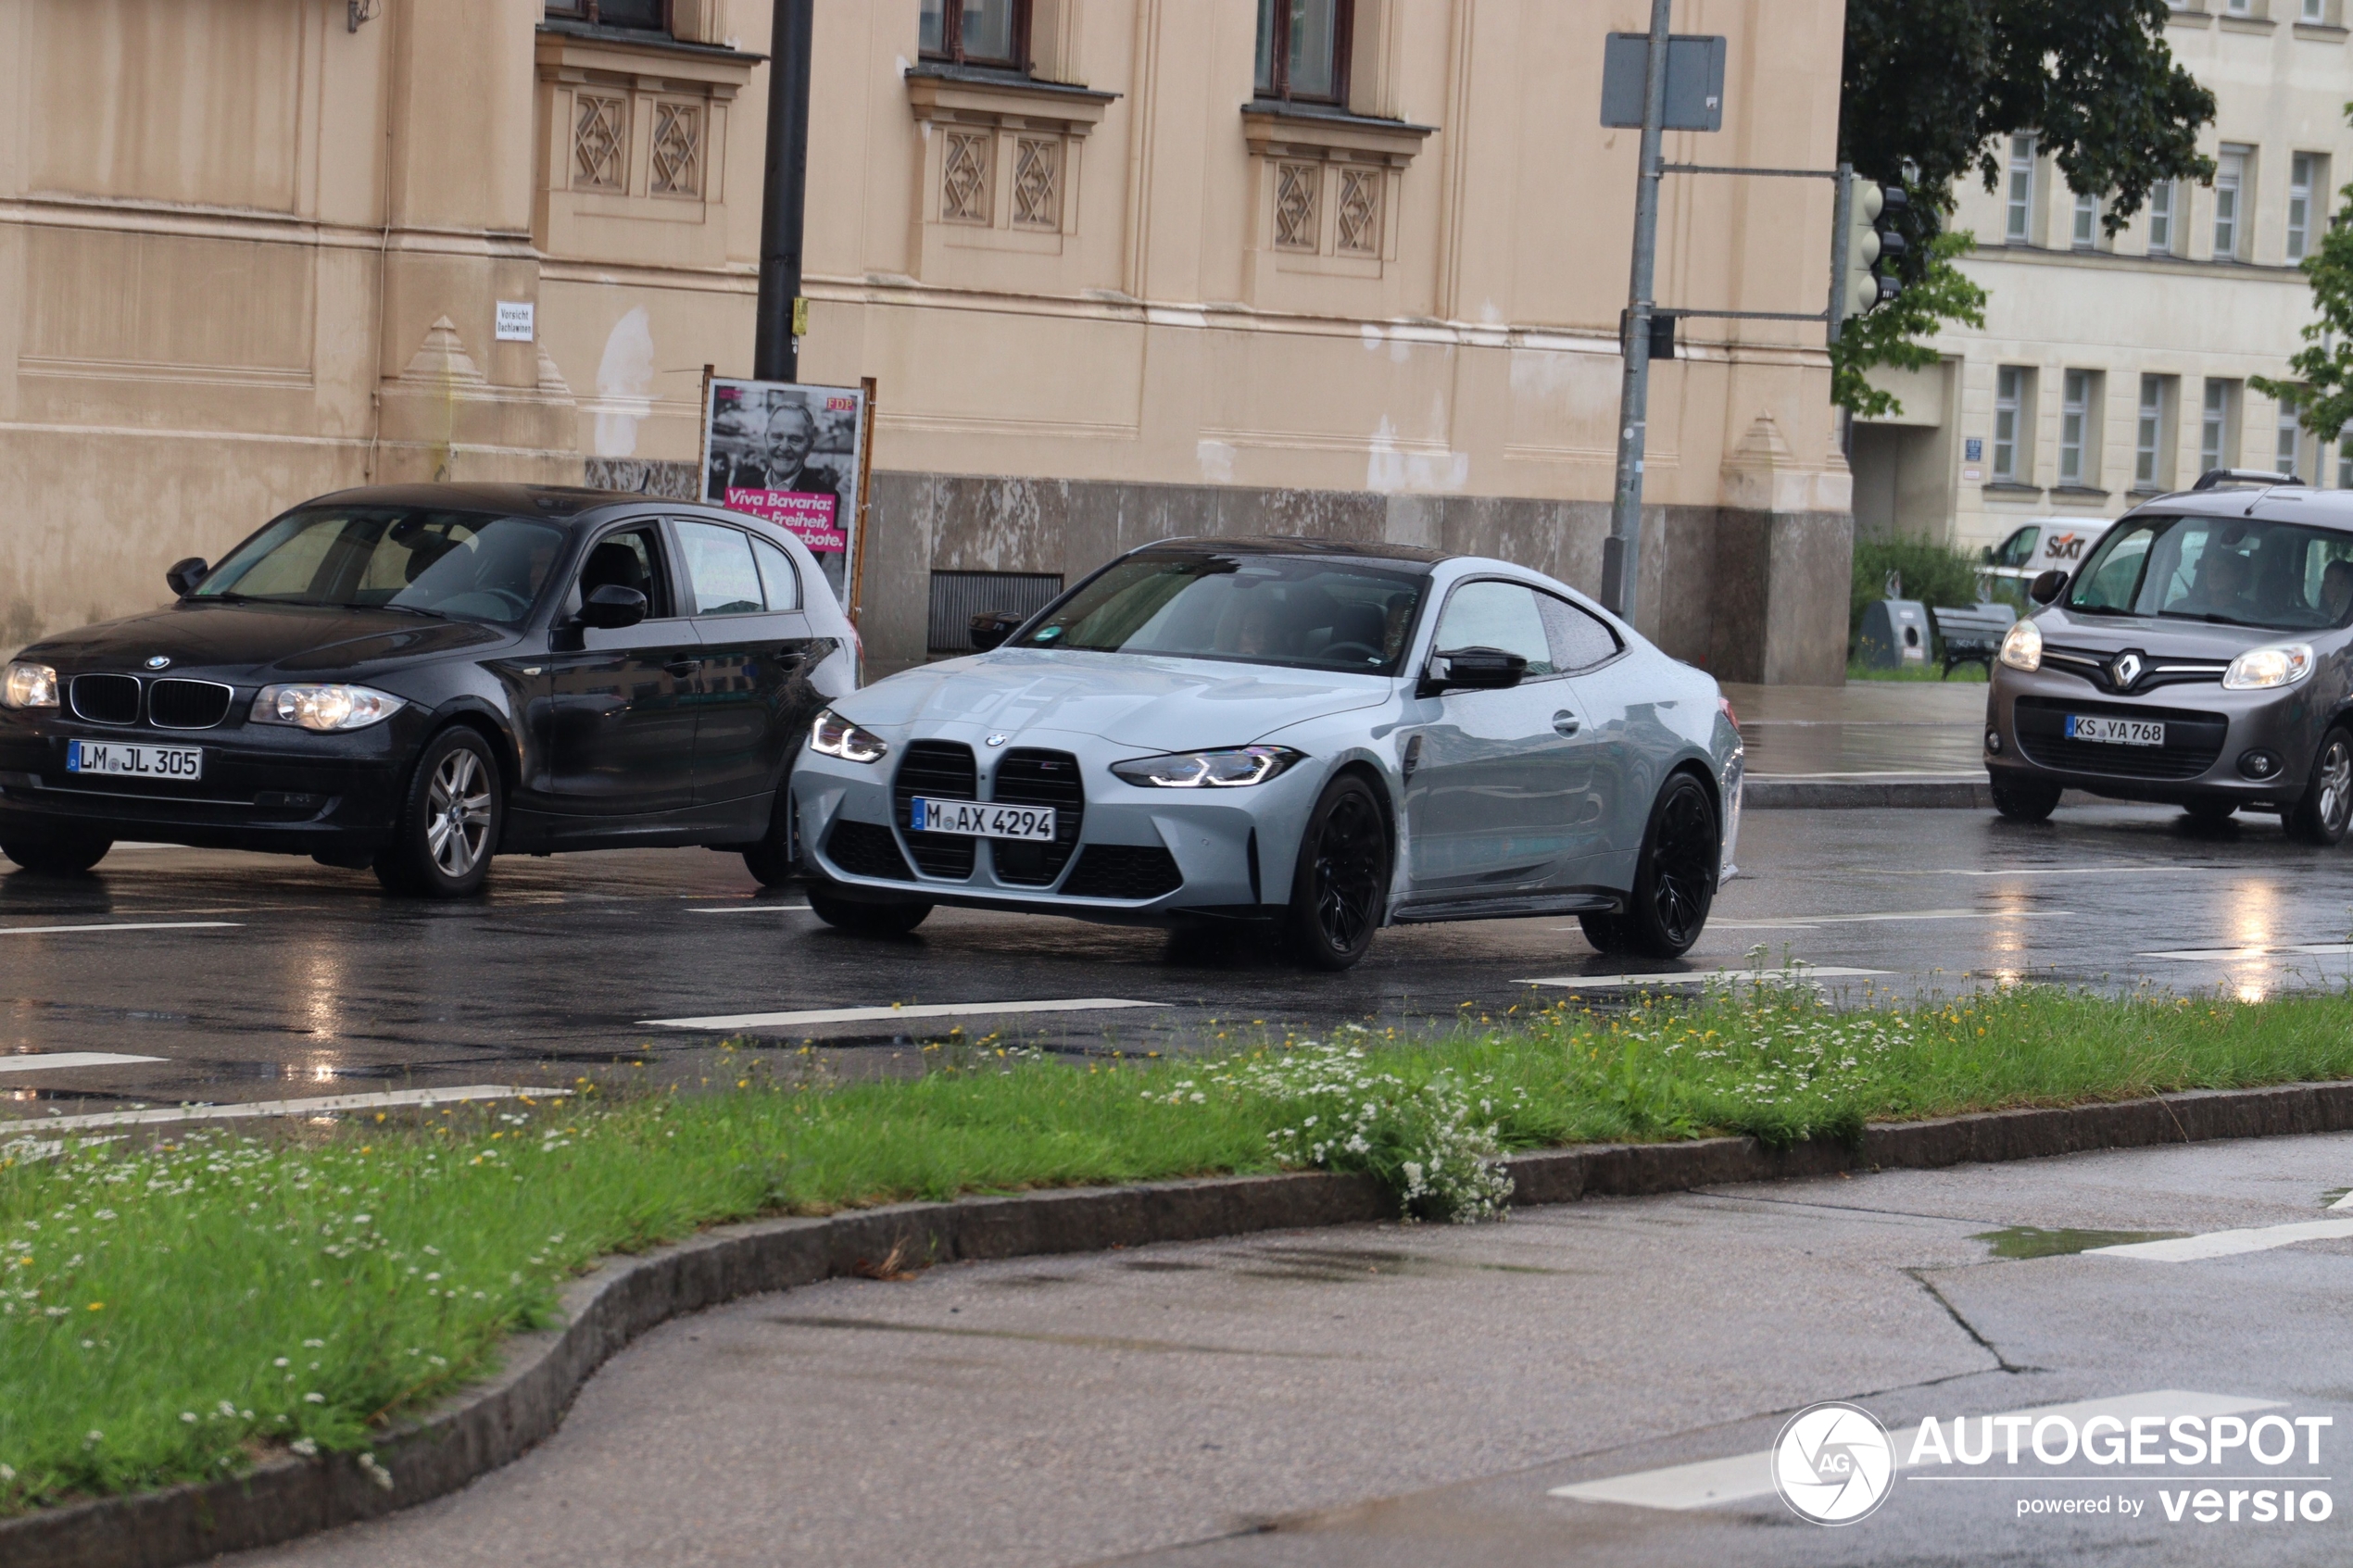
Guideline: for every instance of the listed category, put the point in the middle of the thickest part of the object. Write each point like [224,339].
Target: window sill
[2245,24]
[2189,19]
[576,51]
[1276,129]
[2011,487]
[971,95]
[2321,32]
[2077,493]
[639,41]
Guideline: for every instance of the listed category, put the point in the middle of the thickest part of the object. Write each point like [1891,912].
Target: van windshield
[2231,571]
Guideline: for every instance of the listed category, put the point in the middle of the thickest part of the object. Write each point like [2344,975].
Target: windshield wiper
[405,609]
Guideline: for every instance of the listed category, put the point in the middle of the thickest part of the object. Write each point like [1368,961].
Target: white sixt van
[2045,543]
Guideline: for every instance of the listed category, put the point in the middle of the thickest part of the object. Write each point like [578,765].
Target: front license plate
[134,761]
[2115,732]
[969,819]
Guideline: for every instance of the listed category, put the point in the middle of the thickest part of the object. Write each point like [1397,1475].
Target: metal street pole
[775,356]
[1621,552]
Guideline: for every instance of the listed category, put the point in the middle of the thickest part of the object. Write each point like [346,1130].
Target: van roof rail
[2213,477]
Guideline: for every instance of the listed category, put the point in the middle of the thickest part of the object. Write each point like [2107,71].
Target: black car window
[2234,572]
[720,576]
[2015,549]
[1307,611]
[469,566]
[1497,615]
[777,577]
[631,558]
[1579,640]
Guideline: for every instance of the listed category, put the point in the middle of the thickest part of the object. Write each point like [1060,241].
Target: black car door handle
[682,668]
[1565,721]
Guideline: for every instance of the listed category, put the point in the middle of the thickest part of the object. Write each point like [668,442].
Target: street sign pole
[1621,552]
[775,353]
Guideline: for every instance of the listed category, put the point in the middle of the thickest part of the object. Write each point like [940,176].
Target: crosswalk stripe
[51,1061]
[892,1014]
[325,1105]
[122,926]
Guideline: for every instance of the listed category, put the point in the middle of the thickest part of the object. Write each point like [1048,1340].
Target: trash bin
[1895,635]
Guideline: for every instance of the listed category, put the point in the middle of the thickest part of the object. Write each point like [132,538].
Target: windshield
[2234,572]
[463,565]
[1299,611]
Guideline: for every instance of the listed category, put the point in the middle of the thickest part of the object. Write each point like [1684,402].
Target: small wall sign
[517,320]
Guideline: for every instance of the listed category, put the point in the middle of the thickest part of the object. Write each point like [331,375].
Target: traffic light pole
[1621,552]
[775,353]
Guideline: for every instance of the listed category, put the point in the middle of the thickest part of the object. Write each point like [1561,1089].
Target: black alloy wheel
[1342,885]
[57,854]
[1674,879]
[861,918]
[2322,815]
[2025,801]
[770,859]
[449,825]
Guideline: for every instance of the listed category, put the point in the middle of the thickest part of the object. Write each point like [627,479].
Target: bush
[1935,575]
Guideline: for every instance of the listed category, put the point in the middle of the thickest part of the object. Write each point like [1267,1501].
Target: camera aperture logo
[1833,1463]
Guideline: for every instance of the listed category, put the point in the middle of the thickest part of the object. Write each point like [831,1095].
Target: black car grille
[941,770]
[867,849]
[2193,741]
[106,699]
[1039,778]
[187,704]
[1124,871]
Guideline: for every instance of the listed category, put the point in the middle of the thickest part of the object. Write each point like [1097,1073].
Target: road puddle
[2030,1241]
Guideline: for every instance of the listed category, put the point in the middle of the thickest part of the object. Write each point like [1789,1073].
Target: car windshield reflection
[2229,571]
[465,566]
[1297,611]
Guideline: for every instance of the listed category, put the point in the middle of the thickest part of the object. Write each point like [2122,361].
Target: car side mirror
[183,575]
[613,607]
[992,627]
[1479,670]
[2047,586]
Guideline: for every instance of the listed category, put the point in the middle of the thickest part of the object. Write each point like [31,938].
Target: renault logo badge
[998,740]
[160,661]
[2125,671]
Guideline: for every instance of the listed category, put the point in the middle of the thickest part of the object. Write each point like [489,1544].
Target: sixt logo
[2065,546]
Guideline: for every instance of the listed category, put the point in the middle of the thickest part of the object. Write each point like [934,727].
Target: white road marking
[2109,870]
[1806,923]
[1694,977]
[2342,1203]
[2239,955]
[126,925]
[2229,1244]
[45,1061]
[322,1105]
[1743,1476]
[750,910]
[885,1015]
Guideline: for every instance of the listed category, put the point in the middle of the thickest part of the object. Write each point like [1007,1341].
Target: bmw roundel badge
[160,661]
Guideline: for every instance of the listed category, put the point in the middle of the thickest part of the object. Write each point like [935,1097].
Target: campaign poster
[789,454]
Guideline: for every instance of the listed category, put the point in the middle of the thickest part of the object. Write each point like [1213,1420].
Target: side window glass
[631,558]
[2019,546]
[721,578]
[1497,615]
[1579,642]
[777,576]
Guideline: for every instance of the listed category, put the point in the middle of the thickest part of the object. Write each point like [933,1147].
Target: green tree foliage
[1892,333]
[1937,84]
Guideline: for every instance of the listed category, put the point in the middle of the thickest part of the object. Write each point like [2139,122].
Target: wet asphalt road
[254,977]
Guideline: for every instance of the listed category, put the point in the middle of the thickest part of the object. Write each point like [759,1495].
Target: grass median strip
[175,1310]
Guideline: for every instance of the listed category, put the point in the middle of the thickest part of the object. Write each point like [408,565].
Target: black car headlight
[833,736]
[326,709]
[30,686]
[1230,768]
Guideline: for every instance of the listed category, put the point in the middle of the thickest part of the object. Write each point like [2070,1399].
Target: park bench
[1972,633]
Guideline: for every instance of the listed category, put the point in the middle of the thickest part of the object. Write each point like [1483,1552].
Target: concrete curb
[496,1422]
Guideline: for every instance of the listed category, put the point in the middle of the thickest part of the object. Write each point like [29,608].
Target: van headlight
[2022,646]
[833,736]
[2258,670]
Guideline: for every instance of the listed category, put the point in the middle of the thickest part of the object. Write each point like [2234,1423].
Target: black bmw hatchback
[417,678]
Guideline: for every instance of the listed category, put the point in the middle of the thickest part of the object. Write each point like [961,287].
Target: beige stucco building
[1110,287]
[2112,370]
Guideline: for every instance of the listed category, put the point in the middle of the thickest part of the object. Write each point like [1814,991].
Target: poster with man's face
[790,455]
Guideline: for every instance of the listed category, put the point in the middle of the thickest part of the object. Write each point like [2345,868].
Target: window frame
[2163,222]
[2217,420]
[2078,392]
[2017,405]
[2304,180]
[2084,231]
[667,570]
[1279,87]
[2230,181]
[589,11]
[2017,221]
[2152,459]
[952,32]
[2287,439]
[692,608]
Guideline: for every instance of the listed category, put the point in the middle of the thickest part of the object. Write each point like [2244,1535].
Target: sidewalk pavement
[1871,744]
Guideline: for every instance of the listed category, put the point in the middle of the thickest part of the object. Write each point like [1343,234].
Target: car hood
[2162,635]
[1131,700]
[279,639]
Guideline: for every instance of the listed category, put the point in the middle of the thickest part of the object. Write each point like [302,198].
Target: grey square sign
[1694,81]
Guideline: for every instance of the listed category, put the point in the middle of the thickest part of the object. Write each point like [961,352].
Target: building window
[2304,177]
[2229,227]
[677,160]
[600,142]
[2087,222]
[976,33]
[1302,49]
[643,16]
[2161,217]
[2020,230]
[2315,11]
[2238,7]
[2214,424]
[2152,450]
[2012,393]
[2344,464]
[2077,398]
[2288,441]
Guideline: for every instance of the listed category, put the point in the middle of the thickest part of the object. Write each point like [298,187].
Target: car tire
[62,855]
[1606,933]
[449,820]
[1340,890]
[2322,815]
[2210,811]
[860,919]
[1674,876]
[2026,801]
[770,859]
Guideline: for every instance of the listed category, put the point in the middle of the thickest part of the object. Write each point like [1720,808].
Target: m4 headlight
[833,736]
[2022,646]
[326,709]
[30,686]
[2261,669]
[1230,768]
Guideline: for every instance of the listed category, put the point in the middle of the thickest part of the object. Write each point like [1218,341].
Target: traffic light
[1874,246]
